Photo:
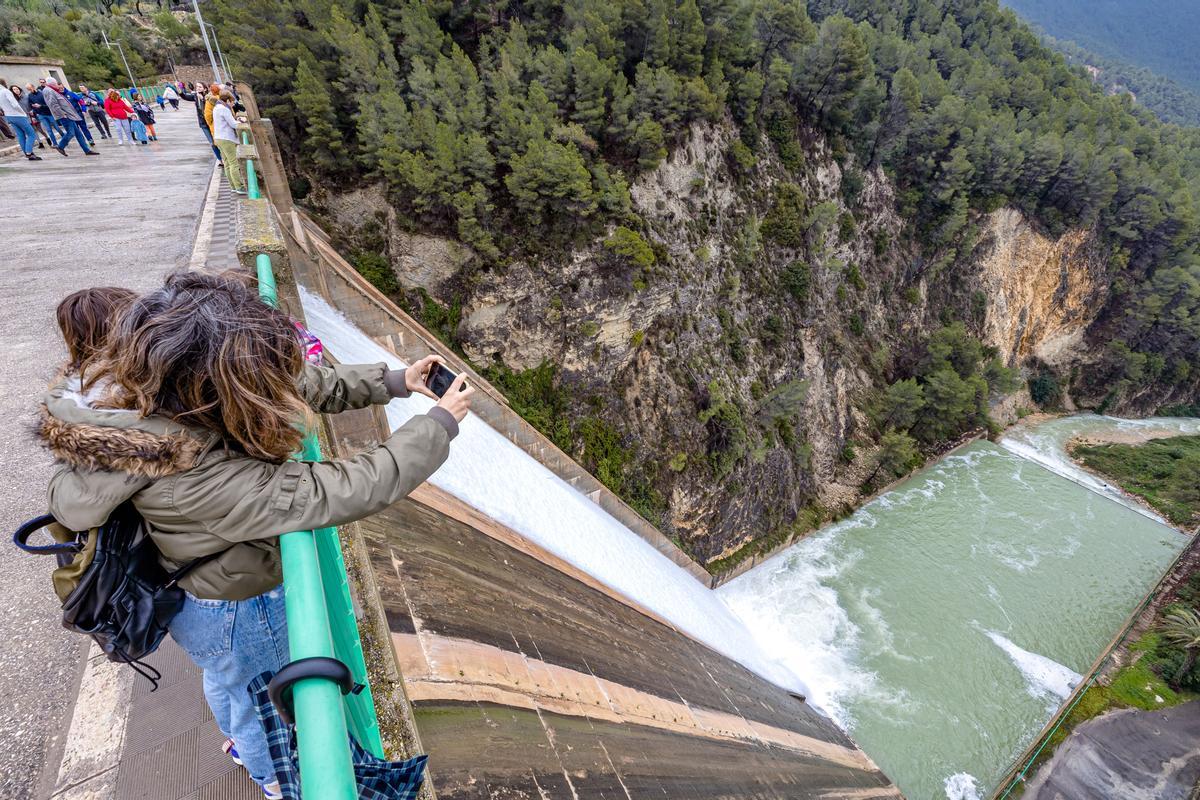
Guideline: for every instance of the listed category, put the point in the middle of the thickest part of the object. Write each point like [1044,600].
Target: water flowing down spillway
[495,476]
[941,624]
[946,620]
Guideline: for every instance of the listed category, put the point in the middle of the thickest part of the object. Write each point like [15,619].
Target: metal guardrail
[1018,772]
[321,623]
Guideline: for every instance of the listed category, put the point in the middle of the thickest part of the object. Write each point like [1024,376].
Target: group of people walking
[58,115]
[52,112]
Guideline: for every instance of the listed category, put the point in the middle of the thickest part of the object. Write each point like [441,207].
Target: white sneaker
[230,750]
[272,791]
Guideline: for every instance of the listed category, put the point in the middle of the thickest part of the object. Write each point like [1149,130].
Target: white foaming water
[493,475]
[962,786]
[1046,445]
[1045,678]
[789,602]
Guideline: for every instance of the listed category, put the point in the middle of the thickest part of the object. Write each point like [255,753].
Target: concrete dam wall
[526,672]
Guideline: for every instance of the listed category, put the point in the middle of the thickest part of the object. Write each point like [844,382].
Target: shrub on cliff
[785,224]
[629,246]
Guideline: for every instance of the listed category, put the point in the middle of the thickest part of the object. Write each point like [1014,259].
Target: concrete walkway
[126,217]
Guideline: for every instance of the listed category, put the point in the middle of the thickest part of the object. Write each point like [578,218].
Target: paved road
[1126,755]
[125,218]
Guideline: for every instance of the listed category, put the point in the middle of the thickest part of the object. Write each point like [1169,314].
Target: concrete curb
[92,749]
[204,229]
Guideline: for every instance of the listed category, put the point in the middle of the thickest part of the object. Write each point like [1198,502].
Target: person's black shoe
[32,157]
[41,146]
[91,153]
[61,151]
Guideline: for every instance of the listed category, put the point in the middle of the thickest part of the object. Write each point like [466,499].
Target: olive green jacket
[200,497]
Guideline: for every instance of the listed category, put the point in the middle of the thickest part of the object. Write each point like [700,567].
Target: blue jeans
[50,128]
[234,641]
[83,126]
[24,131]
[208,135]
[72,128]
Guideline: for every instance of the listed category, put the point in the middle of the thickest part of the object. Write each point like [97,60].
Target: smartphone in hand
[439,378]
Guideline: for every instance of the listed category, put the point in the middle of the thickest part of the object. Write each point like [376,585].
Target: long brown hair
[206,352]
[85,318]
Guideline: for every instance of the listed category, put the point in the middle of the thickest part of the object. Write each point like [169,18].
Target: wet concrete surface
[1126,755]
[526,682]
[125,217]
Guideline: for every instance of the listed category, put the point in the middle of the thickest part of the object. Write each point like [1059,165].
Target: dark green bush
[796,279]
[376,269]
[631,247]
[785,223]
[1045,391]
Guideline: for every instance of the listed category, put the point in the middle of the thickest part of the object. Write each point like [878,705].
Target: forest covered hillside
[747,260]
[728,253]
[1157,34]
[1168,99]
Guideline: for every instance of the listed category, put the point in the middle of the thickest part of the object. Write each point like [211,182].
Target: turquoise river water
[944,622]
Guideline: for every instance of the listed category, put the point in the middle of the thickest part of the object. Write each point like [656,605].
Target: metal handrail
[321,622]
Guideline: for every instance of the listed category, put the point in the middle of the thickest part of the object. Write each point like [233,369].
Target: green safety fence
[321,623]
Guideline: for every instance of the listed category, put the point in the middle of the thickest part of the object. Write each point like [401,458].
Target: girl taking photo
[191,413]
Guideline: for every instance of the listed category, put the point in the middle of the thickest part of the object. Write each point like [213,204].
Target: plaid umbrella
[377,779]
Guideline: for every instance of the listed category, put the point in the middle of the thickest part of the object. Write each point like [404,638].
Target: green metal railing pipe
[321,622]
[347,646]
[322,738]
[252,190]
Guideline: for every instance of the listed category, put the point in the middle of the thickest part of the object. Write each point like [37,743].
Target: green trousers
[233,167]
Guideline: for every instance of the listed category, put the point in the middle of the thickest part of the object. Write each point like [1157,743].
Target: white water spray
[496,477]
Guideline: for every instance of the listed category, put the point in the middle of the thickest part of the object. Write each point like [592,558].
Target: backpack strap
[28,528]
[178,575]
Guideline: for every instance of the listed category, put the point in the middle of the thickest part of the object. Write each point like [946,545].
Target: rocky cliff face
[1042,293]
[735,370]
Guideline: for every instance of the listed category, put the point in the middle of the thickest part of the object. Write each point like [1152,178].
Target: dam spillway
[940,625]
[549,652]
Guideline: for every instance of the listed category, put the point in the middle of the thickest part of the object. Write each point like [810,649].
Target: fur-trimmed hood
[114,440]
[112,453]
[94,448]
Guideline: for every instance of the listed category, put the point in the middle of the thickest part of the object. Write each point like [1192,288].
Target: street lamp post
[121,50]
[204,35]
[220,55]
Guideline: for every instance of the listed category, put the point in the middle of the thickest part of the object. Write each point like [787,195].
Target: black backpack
[111,584]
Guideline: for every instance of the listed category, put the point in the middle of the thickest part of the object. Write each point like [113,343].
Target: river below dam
[941,624]
[945,621]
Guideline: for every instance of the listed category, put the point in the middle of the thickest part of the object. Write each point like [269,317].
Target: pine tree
[649,144]
[897,454]
[550,181]
[415,31]
[687,47]
[553,73]
[657,51]
[323,143]
[472,207]
[590,79]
